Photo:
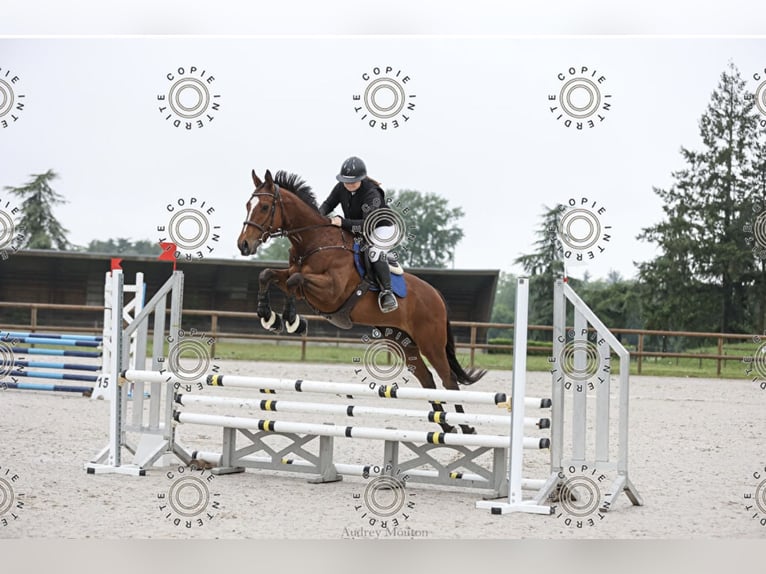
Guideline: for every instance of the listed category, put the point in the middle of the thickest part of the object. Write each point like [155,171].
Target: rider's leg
[386,299]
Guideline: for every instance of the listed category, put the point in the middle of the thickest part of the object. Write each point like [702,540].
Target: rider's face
[353,186]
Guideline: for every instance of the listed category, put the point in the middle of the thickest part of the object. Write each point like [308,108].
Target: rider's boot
[386,299]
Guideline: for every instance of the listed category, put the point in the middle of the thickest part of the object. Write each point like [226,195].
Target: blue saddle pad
[398,285]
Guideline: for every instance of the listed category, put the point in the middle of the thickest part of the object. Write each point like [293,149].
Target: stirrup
[381,295]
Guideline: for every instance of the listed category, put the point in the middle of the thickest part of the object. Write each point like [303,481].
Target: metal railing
[473,344]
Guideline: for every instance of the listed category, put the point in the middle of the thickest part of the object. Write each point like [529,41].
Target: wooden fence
[638,352]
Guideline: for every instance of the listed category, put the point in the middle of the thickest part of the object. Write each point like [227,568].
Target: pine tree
[544,266]
[40,227]
[698,280]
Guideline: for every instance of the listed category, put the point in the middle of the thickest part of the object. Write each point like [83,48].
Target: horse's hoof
[467,429]
[297,326]
[273,324]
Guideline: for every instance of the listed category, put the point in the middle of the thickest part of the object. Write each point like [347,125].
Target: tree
[698,280]
[431,229]
[504,307]
[40,228]
[275,250]
[544,266]
[122,246]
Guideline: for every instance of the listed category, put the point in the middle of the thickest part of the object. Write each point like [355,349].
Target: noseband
[268,232]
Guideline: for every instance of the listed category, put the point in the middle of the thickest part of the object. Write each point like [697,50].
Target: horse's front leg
[270,320]
[294,323]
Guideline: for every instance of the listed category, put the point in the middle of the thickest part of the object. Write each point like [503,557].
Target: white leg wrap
[291,327]
[270,322]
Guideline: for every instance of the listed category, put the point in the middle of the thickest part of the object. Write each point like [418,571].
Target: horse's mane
[292,182]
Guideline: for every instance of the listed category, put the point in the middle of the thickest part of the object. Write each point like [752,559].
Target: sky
[481,133]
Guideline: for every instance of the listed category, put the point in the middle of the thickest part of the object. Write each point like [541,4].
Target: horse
[321,272]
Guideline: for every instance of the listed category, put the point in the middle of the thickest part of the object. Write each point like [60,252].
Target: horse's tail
[464,376]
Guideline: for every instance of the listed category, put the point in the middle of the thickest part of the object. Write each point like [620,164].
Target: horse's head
[264,215]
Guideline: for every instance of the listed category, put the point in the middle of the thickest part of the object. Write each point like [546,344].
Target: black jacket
[356,206]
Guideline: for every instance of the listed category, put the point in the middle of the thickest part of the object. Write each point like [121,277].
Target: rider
[359,195]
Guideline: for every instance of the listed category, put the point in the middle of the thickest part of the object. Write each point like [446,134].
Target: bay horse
[322,273]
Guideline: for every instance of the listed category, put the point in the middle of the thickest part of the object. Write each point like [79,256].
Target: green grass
[332,354]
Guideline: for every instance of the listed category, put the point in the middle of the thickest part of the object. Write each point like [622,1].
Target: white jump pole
[299,385]
[274,405]
[398,435]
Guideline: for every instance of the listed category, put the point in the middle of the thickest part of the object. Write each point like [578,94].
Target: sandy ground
[695,446]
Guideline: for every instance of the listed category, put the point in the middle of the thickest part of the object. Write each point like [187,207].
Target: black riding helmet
[352,170]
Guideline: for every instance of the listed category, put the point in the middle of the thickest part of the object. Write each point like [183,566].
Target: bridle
[268,233]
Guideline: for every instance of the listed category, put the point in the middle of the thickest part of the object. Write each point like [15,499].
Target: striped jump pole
[53,375]
[85,391]
[273,405]
[56,352]
[397,435]
[28,335]
[62,366]
[17,366]
[46,341]
[361,390]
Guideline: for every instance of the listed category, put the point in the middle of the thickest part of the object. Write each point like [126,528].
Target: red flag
[168,253]
[116,263]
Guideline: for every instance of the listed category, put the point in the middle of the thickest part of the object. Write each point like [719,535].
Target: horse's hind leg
[438,359]
[417,366]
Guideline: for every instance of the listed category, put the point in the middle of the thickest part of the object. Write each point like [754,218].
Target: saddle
[342,317]
[364,268]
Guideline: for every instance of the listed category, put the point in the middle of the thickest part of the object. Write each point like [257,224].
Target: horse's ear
[256,180]
[269,179]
